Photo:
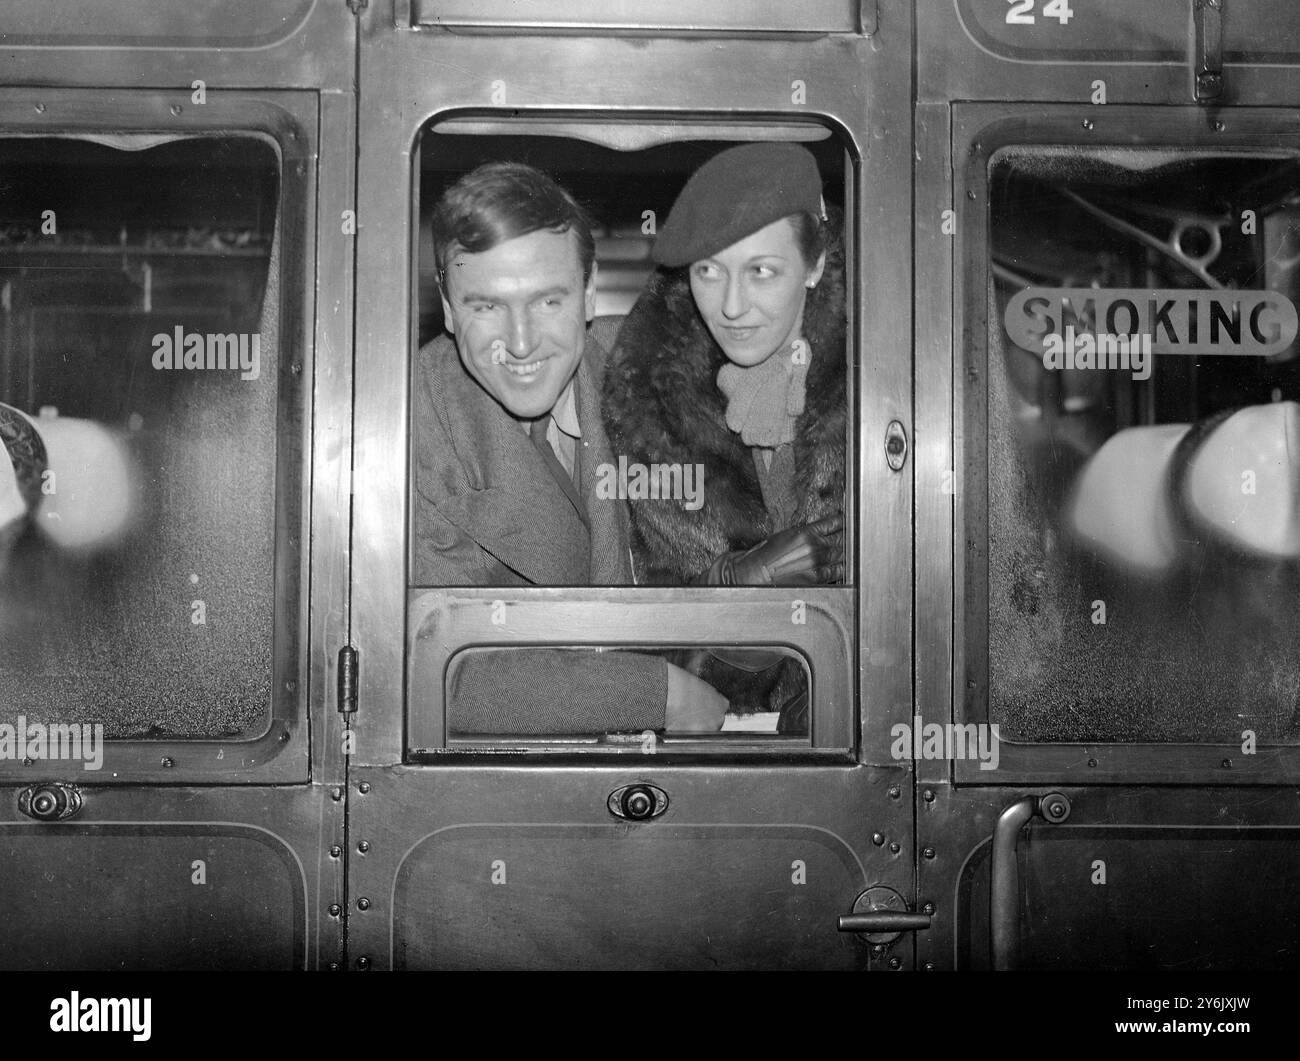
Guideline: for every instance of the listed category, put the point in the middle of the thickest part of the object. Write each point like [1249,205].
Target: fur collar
[662,405]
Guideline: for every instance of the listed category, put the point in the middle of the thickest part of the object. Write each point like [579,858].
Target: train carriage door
[514,802]
[173,483]
[1124,549]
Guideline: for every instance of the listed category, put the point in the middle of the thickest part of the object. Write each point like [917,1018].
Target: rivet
[27,760]
[877,950]
[364,787]
[894,792]
[928,967]
[1092,762]
[895,963]
[894,847]
[927,852]
[878,839]
[1087,123]
[928,795]
[284,735]
[39,108]
[363,962]
[335,850]
[333,967]
[167,761]
[1227,764]
[363,903]
[176,110]
[290,686]
[363,846]
[970,194]
[928,908]
[335,909]
[336,794]
[1219,126]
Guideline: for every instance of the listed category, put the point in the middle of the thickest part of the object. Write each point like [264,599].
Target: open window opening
[659,484]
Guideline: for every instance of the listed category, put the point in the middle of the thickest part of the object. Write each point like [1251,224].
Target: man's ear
[589,295]
[815,276]
[448,321]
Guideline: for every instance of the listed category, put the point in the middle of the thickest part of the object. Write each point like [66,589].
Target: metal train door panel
[735,850]
[175,382]
[1113,402]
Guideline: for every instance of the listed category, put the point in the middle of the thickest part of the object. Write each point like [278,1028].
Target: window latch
[1207,16]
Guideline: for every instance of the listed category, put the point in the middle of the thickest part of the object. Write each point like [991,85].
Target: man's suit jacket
[487,512]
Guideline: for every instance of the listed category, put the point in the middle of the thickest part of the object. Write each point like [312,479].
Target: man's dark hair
[500,201]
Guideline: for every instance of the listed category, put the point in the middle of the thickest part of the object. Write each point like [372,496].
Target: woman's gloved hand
[811,555]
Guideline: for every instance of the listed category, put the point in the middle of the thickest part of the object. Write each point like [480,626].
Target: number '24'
[1022,12]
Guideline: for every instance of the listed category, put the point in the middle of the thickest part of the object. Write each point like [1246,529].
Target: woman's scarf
[765,400]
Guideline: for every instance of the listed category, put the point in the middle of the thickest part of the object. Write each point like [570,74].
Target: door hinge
[358,5]
[347,680]
[1207,17]
[868,17]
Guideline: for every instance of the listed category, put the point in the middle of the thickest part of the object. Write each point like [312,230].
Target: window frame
[833,611]
[980,130]
[288,120]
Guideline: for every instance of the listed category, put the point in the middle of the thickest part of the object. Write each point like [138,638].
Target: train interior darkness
[1142,570]
[138,589]
[627,177]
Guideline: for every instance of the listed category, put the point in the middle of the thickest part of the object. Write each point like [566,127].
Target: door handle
[1004,894]
[881,914]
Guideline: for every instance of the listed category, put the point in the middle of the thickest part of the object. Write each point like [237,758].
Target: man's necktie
[537,432]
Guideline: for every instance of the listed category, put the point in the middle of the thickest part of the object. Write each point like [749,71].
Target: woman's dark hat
[735,194]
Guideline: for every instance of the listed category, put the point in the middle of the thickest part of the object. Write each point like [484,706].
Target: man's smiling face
[519,315]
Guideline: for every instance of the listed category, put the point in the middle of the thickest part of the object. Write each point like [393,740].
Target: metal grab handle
[1004,895]
[884,921]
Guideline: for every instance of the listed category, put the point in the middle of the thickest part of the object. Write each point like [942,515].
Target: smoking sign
[1129,324]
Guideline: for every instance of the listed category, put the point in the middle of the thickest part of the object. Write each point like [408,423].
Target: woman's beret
[733,195]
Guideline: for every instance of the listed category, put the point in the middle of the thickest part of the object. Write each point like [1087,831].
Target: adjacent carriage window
[1143,407]
[702,413]
[138,382]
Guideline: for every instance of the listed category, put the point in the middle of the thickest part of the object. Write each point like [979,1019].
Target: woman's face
[751,294]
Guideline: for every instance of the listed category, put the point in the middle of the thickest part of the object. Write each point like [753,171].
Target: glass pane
[1143,478]
[138,376]
[590,695]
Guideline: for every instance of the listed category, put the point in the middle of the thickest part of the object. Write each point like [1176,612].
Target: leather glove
[811,555]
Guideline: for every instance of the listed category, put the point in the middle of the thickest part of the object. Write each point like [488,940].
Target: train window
[754,681]
[1143,524]
[139,403]
[640,468]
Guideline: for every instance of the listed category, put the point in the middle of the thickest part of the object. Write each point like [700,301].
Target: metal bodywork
[581,888]
[215,854]
[350,834]
[1162,840]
